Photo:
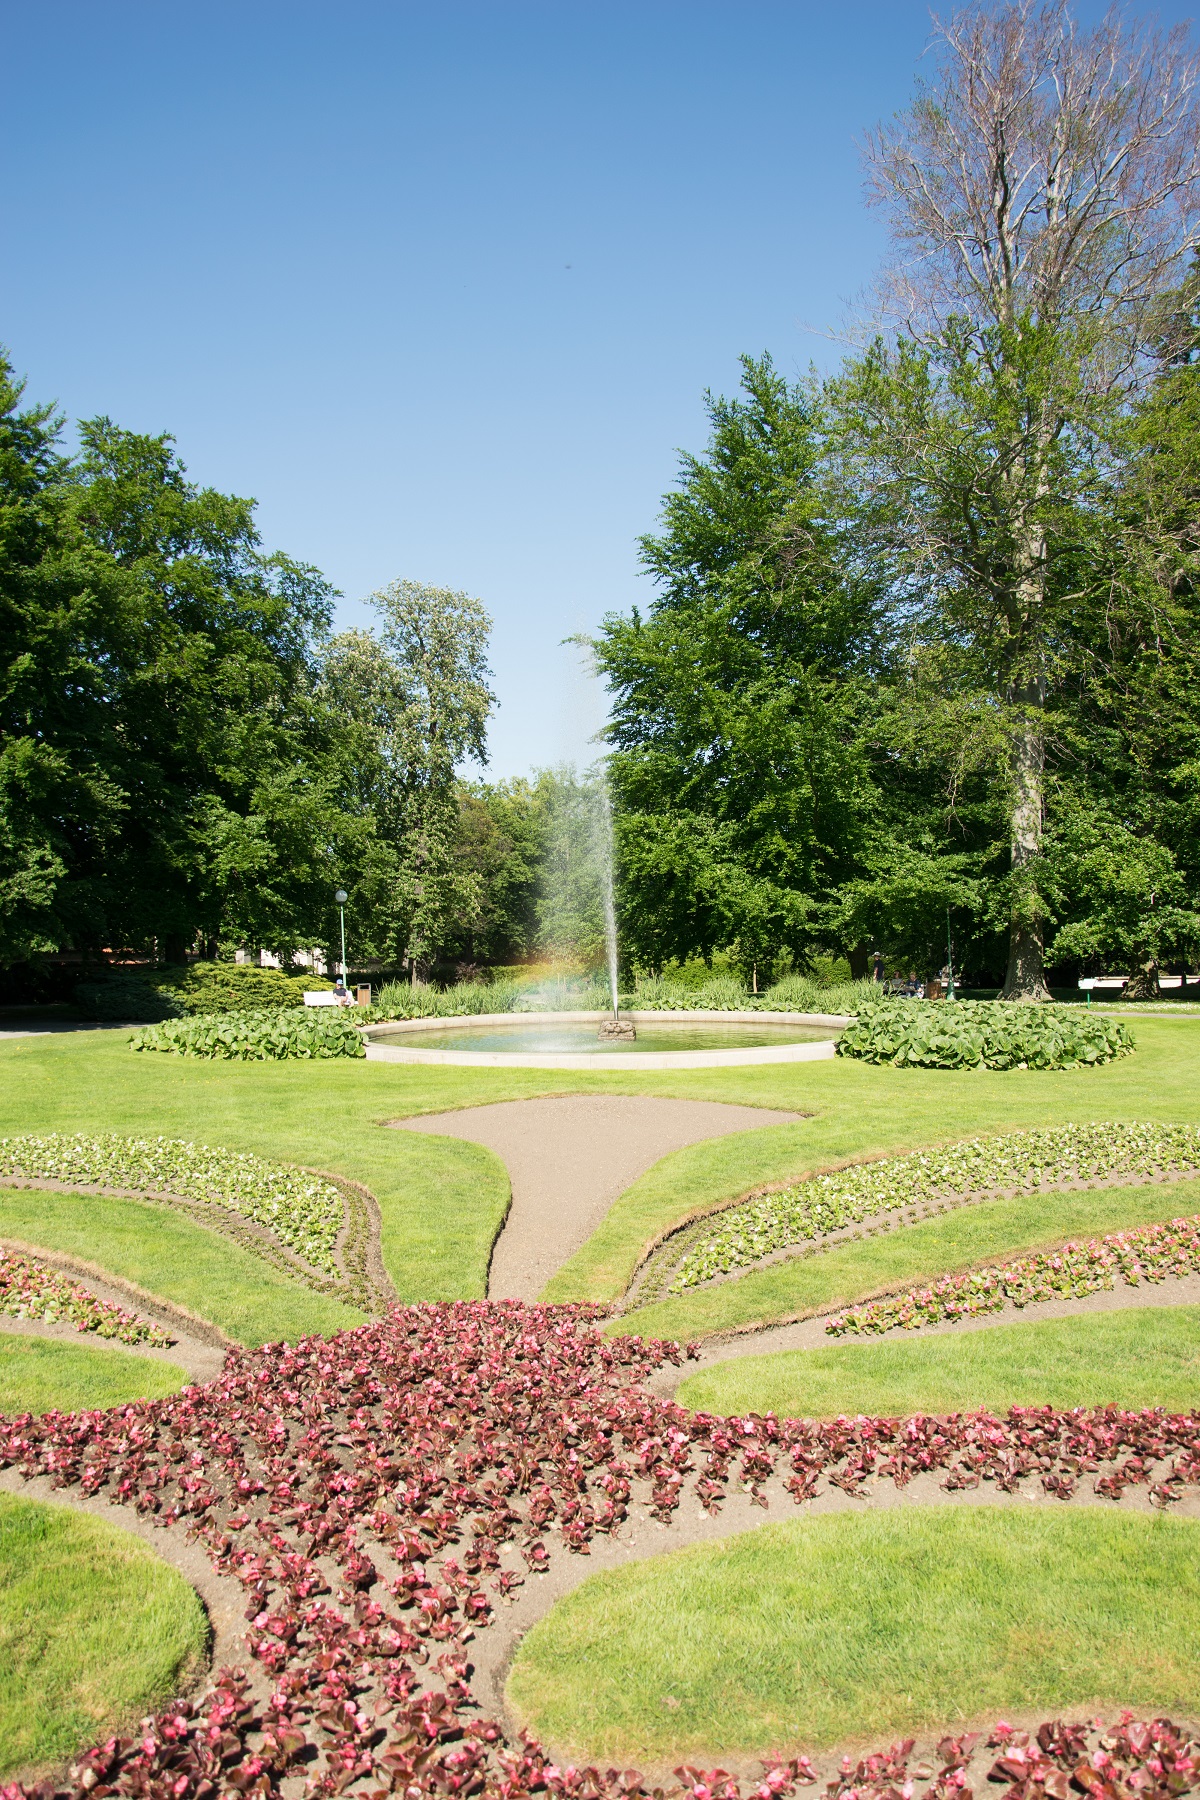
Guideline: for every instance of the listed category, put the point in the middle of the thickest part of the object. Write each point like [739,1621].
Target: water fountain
[615,1029]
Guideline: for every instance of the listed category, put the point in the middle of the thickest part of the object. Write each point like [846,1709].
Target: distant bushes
[981,1034]
[151,995]
[719,993]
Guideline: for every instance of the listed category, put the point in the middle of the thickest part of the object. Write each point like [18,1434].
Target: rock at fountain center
[619,1030]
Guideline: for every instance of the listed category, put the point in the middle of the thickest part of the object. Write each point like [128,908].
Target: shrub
[124,999]
[266,1036]
[980,1034]
[213,987]
[1020,1159]
[1150,1253]
[304,1211]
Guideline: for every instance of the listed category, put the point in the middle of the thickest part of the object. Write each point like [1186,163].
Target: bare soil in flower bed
[378,1496]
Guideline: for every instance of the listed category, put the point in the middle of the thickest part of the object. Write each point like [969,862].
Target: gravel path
[568,1158]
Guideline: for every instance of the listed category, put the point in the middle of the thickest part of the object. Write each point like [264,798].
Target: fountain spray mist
[606,857]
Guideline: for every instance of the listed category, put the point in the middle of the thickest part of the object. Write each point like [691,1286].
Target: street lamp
[341,898]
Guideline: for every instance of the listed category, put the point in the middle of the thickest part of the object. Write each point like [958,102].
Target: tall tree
[739,788]
[157,759]
[1041,190]
[418,693]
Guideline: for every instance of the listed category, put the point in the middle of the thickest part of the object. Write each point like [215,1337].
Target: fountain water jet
[614,1027]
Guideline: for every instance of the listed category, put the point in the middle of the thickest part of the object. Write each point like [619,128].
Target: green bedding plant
[271,1035]
[1150,1253]
[983,1034]
[1011,1160]
[303,1211]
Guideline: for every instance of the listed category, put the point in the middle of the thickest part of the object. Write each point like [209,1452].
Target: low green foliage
[40,1374]
[95,1630]
[168,1254]
[987,1232]
[1022,1159]
[867,1627]
[303,1211]
[270,1035]
[983,1034]
[1143,1356]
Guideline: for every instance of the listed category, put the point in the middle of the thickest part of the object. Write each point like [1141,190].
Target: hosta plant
[271,1035]
[1149,1253]
[376,1494]
[983,1034]
[302,1210]
[29,1291]
[822,1204]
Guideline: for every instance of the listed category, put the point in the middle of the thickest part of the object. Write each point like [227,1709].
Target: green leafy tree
[158,729]
[417,696]
[1041,190]
[739,786]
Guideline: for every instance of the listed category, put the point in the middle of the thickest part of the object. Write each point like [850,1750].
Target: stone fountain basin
[803,1037]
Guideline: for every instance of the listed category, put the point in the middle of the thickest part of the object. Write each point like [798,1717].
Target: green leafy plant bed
[303,1211]
[877,1626]
[976,1034]
[94,1632]
[271,1035]
[1140,1356]
[1020,1160]
[40,1374]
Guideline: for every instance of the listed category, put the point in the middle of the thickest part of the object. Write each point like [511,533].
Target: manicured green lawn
[868,1626]
[1148,1356]
[167,1254]
[442,1200]
[95,1631]
[41,1374]
[987,1231]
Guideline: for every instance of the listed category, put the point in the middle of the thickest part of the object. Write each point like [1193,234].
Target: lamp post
[341,898]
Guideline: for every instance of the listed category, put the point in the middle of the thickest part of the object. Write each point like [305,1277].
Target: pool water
[531,1039]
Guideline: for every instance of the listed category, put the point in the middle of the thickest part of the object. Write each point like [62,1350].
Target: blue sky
[440,285]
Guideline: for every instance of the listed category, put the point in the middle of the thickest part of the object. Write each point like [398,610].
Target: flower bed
[271,1035]
[983,1034]
[456,1447]
[303,1211]
[28,1291]
[1150,1253]
[1019,1159]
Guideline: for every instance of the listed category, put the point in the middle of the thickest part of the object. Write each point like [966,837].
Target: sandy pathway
[568,1158]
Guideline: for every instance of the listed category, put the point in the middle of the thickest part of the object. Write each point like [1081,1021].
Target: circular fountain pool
[571,1040]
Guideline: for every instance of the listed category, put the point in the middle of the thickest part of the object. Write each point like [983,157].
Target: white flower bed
[303,1211]
[1017,1159]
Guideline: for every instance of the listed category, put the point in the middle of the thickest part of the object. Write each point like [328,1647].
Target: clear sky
[440,285]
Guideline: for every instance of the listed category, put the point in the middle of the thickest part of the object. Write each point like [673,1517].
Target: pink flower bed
[375,1494]
[28,1291]
[1149,1253]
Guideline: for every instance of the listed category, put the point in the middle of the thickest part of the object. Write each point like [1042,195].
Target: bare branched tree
[1042,191]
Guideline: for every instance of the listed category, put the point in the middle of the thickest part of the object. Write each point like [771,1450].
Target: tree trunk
[1026,978]
[1144,983]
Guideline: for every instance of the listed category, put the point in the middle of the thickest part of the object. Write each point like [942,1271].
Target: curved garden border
[601,1059]
[375,1495]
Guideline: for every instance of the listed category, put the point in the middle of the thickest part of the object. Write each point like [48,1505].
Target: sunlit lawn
[95,1631]
[1146,1356]
[39,1374]
[867,1627]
